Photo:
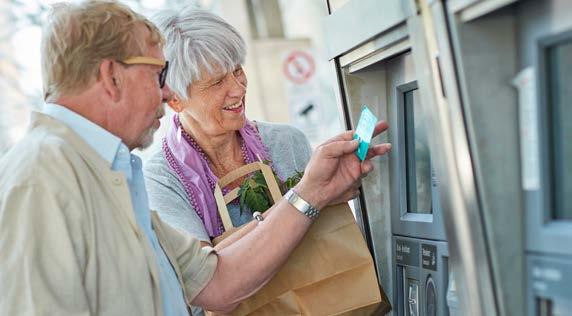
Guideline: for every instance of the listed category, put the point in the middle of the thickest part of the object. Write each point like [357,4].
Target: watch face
[300,204]
[294,198]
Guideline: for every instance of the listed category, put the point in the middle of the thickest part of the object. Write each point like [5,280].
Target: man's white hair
[198,40]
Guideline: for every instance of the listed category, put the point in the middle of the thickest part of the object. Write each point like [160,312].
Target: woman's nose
[238,84]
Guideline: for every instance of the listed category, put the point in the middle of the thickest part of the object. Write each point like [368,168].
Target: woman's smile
[235,108]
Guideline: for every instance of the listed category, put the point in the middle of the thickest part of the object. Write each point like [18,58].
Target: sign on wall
[299,69]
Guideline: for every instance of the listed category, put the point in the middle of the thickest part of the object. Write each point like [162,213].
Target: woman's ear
[109,77]
[175,103]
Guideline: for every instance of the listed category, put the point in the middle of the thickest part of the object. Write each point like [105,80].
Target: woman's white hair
[198,40]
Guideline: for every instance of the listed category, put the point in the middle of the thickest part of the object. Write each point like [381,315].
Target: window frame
[545,233]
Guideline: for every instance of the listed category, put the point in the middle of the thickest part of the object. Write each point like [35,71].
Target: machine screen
[559,76]
[418,165]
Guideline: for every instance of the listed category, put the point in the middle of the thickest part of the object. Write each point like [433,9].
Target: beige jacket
[69,241]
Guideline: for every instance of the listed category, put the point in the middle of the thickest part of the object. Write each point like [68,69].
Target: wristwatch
[301,205]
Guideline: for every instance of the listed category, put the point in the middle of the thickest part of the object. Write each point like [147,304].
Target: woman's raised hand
[334,172]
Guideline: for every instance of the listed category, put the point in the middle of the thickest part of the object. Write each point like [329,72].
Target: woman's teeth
[234,106]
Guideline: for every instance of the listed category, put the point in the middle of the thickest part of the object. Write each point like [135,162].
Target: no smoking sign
[299,67]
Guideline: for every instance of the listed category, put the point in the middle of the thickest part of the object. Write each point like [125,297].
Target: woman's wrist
[311,195]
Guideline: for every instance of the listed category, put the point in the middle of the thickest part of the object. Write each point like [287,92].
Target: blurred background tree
[273,29]
[20,85]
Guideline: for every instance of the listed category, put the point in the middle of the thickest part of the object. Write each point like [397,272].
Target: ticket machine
[471,212]
[400,210]
[513,66]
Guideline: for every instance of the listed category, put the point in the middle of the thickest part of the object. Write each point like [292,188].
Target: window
[559,96]
[417,155]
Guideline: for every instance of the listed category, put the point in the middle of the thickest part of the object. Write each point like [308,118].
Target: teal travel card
[364,131]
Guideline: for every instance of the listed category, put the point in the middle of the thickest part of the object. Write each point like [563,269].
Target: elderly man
[76,234]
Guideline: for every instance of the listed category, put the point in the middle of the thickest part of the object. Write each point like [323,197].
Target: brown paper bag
[331,272]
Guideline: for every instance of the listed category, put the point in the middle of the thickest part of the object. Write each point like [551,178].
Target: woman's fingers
[338,148]
[378,150]
[366,168]
[345,136]
[380,127]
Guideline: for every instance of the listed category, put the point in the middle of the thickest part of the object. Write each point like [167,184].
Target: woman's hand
[334,172]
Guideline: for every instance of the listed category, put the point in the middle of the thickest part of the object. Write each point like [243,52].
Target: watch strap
[301,205]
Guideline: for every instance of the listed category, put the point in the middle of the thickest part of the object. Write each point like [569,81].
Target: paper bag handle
[221,200]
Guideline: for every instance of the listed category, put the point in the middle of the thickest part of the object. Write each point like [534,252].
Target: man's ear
[110,77]
[175,103]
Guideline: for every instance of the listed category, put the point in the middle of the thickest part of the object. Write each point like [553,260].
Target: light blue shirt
[119,157]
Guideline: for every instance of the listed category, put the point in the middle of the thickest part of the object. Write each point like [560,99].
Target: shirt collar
[103,142]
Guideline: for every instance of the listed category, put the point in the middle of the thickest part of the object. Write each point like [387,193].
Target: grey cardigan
[289,150]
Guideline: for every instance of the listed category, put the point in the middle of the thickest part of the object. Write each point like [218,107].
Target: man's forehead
[150,47]
[155,50]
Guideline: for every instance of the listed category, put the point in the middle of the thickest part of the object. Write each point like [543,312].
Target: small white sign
[302,91]
[299,66]
[525,83]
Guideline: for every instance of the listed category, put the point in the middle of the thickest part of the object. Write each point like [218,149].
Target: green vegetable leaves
[291,182]
[254,193]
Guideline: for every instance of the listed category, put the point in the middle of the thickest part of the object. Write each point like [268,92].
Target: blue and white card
[364,131]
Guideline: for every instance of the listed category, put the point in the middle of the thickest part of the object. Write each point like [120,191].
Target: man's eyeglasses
[141,60]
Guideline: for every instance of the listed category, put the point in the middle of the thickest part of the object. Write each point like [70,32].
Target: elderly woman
[210,135]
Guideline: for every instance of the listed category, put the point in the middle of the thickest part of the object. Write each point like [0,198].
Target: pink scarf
[191,166]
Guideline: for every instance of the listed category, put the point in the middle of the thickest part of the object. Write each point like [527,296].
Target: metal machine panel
[416,209]
[358,21]
[468,248]
[550,285]
[368,87]
[473,9]
[482,48]
[464,58]
[336,4]
[422,277]
[500,122]
[388,86]
[546,36]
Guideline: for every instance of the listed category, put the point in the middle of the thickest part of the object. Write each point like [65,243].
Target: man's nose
[167,93]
